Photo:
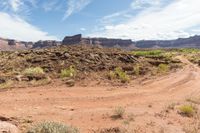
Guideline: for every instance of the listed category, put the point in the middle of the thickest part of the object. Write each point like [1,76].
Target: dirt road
[91,108]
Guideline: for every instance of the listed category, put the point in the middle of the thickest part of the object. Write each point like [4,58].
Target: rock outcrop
[191,42]
[11,44]
[8,45]
[6,127]
[105,42]
[69,40]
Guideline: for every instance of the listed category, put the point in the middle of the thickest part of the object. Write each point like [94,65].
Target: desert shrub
[187,110]
[68,72]
[189,50]
[136,70]
[111,75]
[122,75]
[119,74]
[118,112]
[148,53]
[34,71]
[171,106]
[6,85]
[162,68]
[52,127]
[41,82]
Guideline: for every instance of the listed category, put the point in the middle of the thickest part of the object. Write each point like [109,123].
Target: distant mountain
[11,44]
[191,42]
[105,42]
[8,44]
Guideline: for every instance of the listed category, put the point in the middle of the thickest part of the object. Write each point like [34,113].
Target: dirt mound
[84,58]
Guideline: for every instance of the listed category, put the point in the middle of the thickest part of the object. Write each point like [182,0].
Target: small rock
[2,80]
[66,55]
[70,83]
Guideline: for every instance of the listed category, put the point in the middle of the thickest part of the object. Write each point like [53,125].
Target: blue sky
[33,20]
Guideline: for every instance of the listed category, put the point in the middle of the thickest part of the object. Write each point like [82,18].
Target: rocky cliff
[105,42]
[69,40]
[8,44]
[191,42]
[11,44]
[45,44]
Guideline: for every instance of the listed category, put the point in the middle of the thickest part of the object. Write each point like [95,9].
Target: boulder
[11,42]
[2,80]
[6,127]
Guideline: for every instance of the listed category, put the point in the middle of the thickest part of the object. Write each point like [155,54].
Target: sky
[33,20]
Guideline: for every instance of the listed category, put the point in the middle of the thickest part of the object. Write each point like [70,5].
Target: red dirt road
[91,108]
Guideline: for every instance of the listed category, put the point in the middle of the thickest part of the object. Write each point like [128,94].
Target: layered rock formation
[46,44]
[191,42]
[7,44]
[69,40]
[105,42]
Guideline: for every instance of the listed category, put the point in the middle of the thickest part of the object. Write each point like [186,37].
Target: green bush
[122,75]
[148,53]
[136,70]
[119,74]
[111,75]
[52,127]
[187,110]
[34,71]
[163,68]
[189,50]
[68,72]
[6,85]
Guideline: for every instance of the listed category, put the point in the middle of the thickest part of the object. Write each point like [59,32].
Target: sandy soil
[91,108]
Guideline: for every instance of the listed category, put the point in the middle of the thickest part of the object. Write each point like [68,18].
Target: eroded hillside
[80,63]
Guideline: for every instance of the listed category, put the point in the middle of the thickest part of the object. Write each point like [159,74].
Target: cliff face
[192,42]
[69,40]
[105,42]
[7,44]
[45,44]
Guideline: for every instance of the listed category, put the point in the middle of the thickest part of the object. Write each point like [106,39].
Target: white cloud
[16,28]
[82,29]
[138,4]
[15,4]
[49,5]
[74,6]
[116,17]
[20,7]
[169,22]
